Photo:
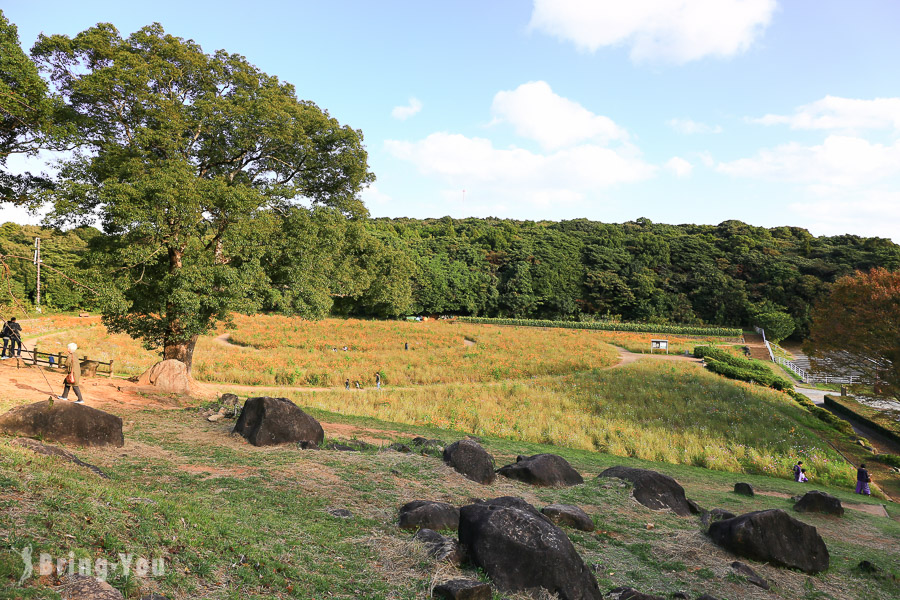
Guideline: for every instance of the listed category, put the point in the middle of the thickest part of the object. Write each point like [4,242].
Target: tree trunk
[183,351]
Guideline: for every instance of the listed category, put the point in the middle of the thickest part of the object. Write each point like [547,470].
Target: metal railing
[804,375]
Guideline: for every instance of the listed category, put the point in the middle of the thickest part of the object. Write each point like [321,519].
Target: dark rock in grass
[308,445]
[341,513]
[707,597]
[716,514]
[774,537]
[462,589]
[694,507]
[64,422]
[627,593]
[441,547]
[819,502]
[654,490]
[744,489]
[567,514]
[514,502]
[83,587]
[154,597]
[350,446]
[867,567]
[230,403]
[398,447]
[681,595]
[470,459]
[425,514]
[547,470]
[39,448]
[267,421]
[521,550]
[751,575]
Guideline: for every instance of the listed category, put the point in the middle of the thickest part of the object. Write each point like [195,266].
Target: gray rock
[819,502]
[744,489]
[521,550]
[64,422]
[471,460]
[462,589]
[775,537]
[569,515]
[716,514]
[267,421]
[750,574]
[83,587]
[547,470]
[654,490]
[425,514]
[441,547]
[341,513]
[627,593]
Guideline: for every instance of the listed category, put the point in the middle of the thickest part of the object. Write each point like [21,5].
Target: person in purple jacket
[862,481]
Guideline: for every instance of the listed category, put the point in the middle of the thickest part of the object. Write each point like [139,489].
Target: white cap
[72,347]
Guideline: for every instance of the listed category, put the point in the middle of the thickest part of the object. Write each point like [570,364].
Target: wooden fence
[89,367]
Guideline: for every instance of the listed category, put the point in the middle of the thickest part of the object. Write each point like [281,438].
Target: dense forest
[729,274]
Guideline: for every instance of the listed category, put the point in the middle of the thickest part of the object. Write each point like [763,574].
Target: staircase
[757,347]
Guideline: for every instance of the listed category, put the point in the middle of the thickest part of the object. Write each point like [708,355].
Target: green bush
[822,414]
[889,459]
[753,374]
[729,332]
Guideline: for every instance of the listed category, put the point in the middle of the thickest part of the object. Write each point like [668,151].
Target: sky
[681,111]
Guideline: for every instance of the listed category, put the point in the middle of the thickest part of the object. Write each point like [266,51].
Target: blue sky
[681,111]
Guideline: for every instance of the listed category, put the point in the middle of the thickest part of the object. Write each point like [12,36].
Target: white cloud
[867,213]
[690,127]
[373,196]
[675,31]
[839,161]
[679,166]
[404,112]
[514,174]
[835,113]
[537,113]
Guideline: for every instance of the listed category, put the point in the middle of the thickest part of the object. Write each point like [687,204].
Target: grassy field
[232,521]
[273,350]
[523,384]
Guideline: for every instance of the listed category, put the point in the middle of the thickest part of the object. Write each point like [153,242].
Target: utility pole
[37,263]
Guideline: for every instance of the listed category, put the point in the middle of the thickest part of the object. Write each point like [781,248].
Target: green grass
[234,521]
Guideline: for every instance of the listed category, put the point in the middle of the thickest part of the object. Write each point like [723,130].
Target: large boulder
[653,490]
[425,514]
[462,589]
[266,421]
[521,550]
[775,537]
[548,470]
[64,422]
[470,459]
[819,502]
[169,376]
[567,514]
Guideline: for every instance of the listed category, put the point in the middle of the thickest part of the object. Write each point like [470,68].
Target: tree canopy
[856,328]
[196,166]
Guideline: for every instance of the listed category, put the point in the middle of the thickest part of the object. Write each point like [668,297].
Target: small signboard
[659,345]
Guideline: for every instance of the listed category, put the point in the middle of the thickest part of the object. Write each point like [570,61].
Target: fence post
[34,355]
[110,368]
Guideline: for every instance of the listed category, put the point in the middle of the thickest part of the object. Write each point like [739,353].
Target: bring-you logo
[127,565]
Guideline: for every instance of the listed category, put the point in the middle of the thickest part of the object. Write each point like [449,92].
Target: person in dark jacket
[798,468]
[862,480]
[12,336]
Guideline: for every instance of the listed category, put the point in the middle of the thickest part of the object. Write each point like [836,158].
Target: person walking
[862,481]
[73,375]
[378,380]
[798,469]
[12,336]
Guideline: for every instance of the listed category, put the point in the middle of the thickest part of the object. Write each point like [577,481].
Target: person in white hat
[73,375]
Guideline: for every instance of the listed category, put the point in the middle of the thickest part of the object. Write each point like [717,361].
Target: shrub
[889,459]
[731,332]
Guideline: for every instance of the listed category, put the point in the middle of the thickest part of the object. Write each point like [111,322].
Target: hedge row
[730,332]
[822,414]
[753,375]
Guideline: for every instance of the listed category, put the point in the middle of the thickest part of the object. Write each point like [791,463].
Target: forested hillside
[729,274]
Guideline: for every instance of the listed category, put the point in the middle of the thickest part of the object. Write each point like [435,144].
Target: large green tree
[196,166]
[26,111]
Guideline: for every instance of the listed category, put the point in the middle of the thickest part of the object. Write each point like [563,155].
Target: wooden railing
[89,367]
